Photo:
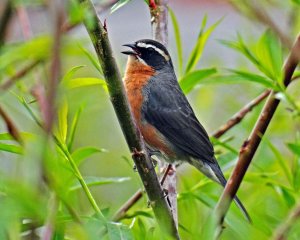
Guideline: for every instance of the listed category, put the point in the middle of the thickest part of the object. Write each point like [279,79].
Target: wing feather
[168,110]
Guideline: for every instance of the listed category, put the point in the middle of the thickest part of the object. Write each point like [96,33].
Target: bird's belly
[156,141]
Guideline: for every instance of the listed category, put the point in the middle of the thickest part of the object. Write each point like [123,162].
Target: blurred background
[266,192]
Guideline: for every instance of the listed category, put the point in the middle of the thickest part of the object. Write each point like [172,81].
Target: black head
[150,52]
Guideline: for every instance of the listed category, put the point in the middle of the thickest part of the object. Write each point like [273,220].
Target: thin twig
[250,146]
[236,118]
[99,37]
[52,212]
[54,68]
[16,77]
[10,125]
[4,20]
[282,231]
[24,21]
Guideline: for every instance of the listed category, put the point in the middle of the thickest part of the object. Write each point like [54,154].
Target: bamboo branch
[284,228]
[99,37]
[250,146]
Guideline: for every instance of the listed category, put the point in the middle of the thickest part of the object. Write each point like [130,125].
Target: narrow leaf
[73,128]
[11,148]
[82,153]
[246,76]
[282,162]
[62,125]
[189,81]
[84,82]
[97,181]
[92,59]
[199,46]
[295,148]
[178,41]
[6,136]
[71,73]
[118,5]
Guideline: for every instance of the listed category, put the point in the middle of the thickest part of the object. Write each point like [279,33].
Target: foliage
[78,177]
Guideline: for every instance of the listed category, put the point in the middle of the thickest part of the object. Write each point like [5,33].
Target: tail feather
[212,170]
[222,180]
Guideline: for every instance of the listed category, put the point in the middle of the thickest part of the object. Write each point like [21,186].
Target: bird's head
[150,53]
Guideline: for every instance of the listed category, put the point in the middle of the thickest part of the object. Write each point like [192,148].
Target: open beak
[133,52]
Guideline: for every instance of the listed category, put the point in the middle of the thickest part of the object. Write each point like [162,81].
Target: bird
[163,114]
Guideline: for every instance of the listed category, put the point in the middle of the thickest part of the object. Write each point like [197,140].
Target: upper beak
[133,47]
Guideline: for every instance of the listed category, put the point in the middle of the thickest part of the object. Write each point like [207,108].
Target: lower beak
[129,53]
[133,52]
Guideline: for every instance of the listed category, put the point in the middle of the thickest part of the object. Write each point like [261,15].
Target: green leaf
[11,148]
[97,181]
[282,162]
[266,54]
[73,128]
[36,49]
[242,77]
[92,59]
[269,53]
[146,214]
[189,81]
[295,148]
[246,76]
[119,4]
[82,153]
[241,47]
[84,82]
[288,197]
[62,124]
[71,72]
[6,136]
[178,41]
[118,231]
[225,145]
[199,46]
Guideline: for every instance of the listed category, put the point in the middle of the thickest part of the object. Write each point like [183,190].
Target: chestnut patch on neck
[136,77]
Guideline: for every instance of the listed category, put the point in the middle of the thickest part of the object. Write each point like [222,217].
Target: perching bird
[163,114]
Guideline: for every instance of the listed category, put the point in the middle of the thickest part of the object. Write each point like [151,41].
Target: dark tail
[222,180]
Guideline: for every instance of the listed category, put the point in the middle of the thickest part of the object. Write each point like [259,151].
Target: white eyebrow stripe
[161,52]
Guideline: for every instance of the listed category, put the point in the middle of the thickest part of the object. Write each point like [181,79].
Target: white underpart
[161,52]
[205,169]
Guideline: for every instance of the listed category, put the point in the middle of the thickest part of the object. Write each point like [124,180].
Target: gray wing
[168,110]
